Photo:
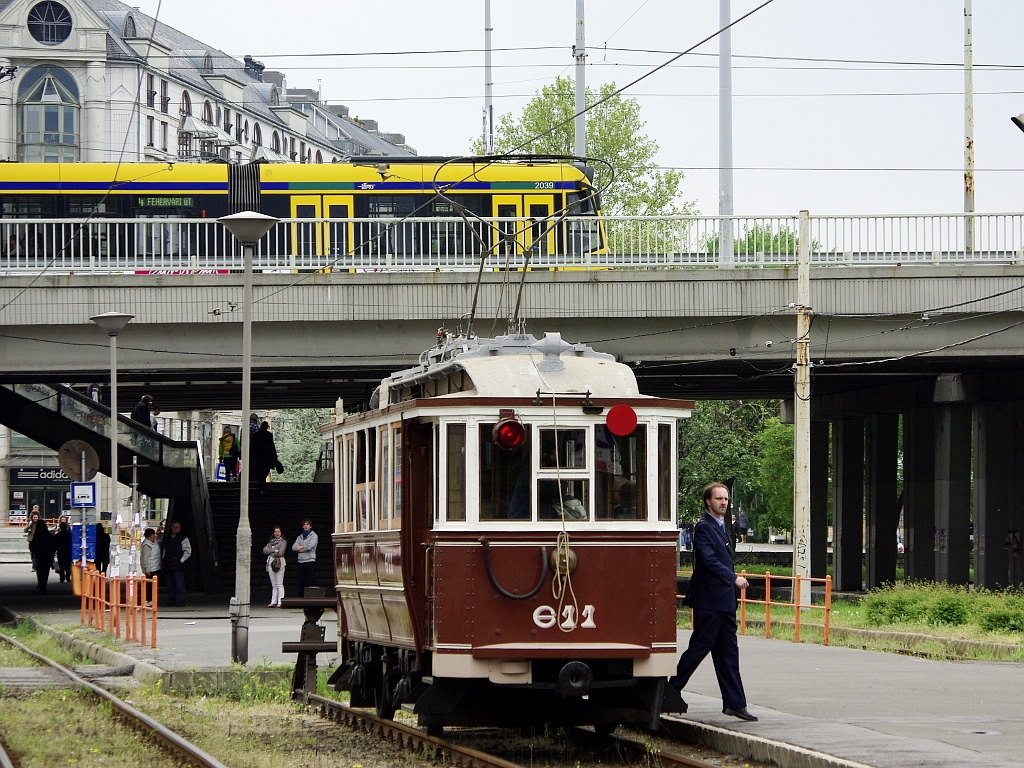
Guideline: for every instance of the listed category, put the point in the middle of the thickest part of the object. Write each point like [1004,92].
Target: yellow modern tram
[359,212]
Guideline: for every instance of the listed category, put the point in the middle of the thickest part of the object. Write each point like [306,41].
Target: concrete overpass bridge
[918,338]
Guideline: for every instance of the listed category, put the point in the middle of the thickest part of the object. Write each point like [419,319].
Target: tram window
[338,230]
[455,477]
[305,233]
[563,449]
[385,476]
[505,478]
[620,474]
[572,504]
[397,441]
[666,468]
[539,227]
[40,207]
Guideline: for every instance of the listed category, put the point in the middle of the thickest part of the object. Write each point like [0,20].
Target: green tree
[298,440]
[764,240]
[719,443]
[775,472]
[635,186]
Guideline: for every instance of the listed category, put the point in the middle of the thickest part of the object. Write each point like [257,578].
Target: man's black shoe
[741,713]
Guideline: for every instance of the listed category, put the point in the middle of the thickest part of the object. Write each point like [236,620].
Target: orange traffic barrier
[107,601]
[797,585]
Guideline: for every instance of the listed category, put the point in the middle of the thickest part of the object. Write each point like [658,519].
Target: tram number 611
[546,617]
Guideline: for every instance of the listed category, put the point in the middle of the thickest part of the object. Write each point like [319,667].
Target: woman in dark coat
[42,547]
[62,543]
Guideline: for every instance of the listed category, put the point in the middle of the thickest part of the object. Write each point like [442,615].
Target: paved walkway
[818,706]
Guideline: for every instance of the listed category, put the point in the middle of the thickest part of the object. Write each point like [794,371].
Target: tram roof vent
[551,346]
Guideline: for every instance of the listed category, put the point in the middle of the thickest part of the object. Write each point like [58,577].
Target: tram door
[510,237]
[316,242]
[307,236]
[541,237]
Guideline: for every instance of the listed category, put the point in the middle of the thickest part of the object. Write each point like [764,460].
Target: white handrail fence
[174,245]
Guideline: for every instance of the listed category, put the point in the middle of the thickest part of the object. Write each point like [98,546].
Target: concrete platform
[817,706]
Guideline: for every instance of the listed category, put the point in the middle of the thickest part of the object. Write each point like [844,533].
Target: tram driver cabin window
[580,474]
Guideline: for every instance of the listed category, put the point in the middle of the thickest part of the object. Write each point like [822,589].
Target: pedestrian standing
[262,456]
[743,521]
[305,545]
[712,595]
[274,550]
[229,453]
[102,549]
[150,555]
[62,545]
[42,547]
[176,551]
[35,519]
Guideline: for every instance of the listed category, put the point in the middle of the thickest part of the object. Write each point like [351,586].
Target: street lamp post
[112,323]
[247,227]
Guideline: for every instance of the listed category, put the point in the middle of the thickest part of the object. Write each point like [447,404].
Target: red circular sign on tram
[621,420]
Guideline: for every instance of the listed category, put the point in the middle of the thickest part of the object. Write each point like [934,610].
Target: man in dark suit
[712,595]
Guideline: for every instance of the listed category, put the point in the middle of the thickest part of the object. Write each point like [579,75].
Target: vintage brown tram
[505,539]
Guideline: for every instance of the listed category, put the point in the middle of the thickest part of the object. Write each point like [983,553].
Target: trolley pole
[802,418]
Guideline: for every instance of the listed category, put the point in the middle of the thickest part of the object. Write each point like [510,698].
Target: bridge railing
[172,245]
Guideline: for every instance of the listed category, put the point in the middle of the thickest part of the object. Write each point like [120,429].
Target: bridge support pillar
[953,493]
[819,499]
[882,513]
[997,451]
[919,494]
[848,504]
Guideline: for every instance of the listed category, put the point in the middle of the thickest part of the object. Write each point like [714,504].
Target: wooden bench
[311,640]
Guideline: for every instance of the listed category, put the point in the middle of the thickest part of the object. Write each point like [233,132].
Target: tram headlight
[509,433]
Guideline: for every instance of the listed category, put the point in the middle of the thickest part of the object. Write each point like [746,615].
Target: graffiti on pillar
[935,532]
[943,540]
[801,553]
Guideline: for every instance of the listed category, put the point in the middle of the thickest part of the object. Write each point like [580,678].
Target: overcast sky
[831,136]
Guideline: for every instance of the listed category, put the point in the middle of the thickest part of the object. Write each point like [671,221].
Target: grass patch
[39,641]
[923,618]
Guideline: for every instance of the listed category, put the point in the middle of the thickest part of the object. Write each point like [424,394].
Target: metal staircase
[52,414]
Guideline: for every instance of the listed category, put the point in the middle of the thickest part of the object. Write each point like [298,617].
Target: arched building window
[319,157]
[275,142]
[48,117]
[207,113]
[257,135]
[186,103]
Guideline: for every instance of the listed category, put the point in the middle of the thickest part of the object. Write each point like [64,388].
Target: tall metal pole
[247,227]
[968,127]
[802,417]
[725,207]
[243,546]
[580,52]
[112,323]
[488,132]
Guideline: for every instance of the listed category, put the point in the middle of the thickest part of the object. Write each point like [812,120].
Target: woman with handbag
[274,550]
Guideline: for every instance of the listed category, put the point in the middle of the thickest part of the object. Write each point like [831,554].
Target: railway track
[187,752]
[405,736]
[455,754]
